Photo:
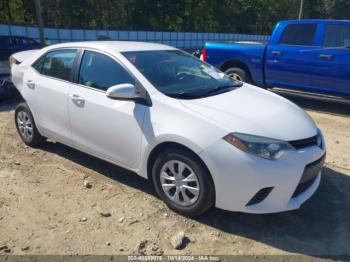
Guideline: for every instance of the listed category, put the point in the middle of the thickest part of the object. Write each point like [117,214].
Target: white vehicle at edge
[202,138]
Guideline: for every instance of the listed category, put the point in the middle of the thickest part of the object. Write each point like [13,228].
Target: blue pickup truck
[301,55]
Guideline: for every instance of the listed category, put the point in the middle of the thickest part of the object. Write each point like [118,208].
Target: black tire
[206,197]
[242,74]
[35,139]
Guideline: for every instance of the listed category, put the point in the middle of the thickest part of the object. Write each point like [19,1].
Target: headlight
[267,148]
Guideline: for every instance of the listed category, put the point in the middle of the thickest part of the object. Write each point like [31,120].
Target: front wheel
[26,126]
[183,183]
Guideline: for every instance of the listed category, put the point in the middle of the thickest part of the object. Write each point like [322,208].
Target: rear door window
[57,64]
[337,36]
[299,34]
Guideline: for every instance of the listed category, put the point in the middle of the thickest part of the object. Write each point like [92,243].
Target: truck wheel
[26,126]
[238,74]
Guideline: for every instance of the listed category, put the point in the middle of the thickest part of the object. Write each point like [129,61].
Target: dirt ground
[43,204]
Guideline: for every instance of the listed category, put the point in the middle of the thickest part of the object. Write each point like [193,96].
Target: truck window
[298,34]
[337,36]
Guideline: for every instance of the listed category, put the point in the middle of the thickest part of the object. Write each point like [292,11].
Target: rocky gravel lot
[56,200]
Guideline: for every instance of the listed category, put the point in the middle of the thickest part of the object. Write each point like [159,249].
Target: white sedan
[202,138]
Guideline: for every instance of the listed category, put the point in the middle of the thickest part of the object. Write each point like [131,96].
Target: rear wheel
[26,126]
[182,182]
[238,74]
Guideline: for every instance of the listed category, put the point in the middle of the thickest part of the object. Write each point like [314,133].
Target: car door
[332,61]
[288,57]
[107,128]
[46,86]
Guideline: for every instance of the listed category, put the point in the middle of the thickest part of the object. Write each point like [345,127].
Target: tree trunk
[9,11]
[40,21]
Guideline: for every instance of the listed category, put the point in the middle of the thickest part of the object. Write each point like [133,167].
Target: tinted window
[301,34]
[100,71]
[337,36]
[27,41]
[31,41]
[17,41]
[56,64]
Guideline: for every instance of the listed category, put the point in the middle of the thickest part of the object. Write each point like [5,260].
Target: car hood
[255,111]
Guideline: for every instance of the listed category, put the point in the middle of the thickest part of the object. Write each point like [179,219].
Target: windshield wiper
[222,89]
[203,93]
[185,95]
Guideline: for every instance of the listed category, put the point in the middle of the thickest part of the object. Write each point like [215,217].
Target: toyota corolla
[202,138]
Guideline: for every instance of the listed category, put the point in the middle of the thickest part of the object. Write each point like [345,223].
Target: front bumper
[238,177]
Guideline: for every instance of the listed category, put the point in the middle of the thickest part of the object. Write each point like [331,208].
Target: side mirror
[122,91]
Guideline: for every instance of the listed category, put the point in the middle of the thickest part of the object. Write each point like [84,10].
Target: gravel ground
[46,209]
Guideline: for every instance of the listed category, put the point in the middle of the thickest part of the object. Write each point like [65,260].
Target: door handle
[277,53]
[79,101]
[326,57]
[30,84]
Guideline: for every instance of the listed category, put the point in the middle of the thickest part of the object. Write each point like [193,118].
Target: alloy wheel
[25,125]
[179,183]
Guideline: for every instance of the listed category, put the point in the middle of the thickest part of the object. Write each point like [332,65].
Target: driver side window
[101,72]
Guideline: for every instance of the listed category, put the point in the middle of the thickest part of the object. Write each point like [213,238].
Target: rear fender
[19,62]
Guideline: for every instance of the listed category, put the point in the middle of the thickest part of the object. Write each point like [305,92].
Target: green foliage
[238,16]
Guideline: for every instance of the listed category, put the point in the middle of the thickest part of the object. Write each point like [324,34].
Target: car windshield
[180,75]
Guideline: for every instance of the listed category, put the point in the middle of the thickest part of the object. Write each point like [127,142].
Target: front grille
[309,176]
[302,143]
[259,196]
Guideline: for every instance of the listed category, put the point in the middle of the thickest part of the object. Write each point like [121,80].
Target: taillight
[204,55]
[12,61]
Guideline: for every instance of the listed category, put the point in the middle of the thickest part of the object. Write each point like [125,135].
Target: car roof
[116,46]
